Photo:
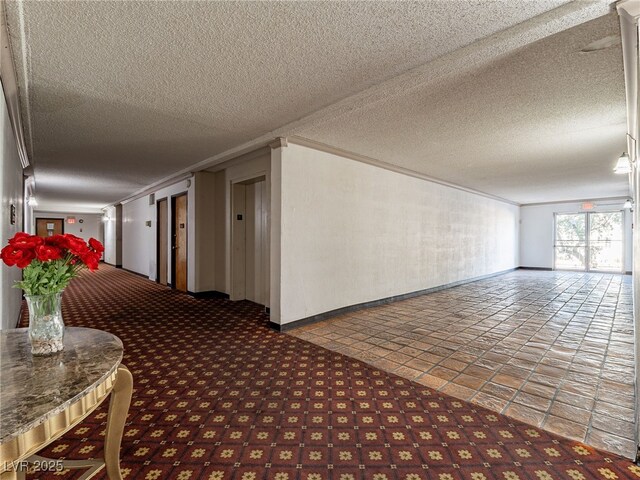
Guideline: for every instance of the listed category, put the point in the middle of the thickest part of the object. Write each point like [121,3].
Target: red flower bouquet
[50,263]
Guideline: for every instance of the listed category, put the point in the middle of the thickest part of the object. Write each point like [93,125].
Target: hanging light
[628,205]
[623,165]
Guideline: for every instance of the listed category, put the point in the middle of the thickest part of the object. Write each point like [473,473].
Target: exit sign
[587,206]
[71,220]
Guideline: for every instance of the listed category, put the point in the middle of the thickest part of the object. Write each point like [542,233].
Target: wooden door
[179,229]
[163,241]
[47,227]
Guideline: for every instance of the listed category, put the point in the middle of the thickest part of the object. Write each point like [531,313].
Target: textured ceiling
[544,123]
[117,95]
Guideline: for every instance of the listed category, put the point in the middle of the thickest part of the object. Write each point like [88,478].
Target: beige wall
[11,193]
[204,230]
[90,227]
[352,233]
[113,235]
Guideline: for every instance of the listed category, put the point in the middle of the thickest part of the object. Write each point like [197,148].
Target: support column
[277,149]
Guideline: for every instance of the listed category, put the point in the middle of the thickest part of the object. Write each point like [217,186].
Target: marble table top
[32,389]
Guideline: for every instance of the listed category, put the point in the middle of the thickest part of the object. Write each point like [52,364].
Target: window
[590,241]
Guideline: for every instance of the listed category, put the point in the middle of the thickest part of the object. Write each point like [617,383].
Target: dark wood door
[179,230]
[163,241]
[47,227]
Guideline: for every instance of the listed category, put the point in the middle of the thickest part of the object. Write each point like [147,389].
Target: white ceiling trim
[629,12]
[11,91]
[305,142]
[581,200]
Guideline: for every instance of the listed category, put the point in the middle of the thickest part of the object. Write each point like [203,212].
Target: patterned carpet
[219,395]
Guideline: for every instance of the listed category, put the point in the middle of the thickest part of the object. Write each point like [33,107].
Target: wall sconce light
[623,165]
[106,218]
[32,202]
[628,204]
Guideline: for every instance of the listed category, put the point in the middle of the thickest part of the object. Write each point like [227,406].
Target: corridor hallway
[219,395]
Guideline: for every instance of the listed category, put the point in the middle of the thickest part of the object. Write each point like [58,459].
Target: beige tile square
[565,428]
[431,381]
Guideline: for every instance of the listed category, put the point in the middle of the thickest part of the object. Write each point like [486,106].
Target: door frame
[172,283]
[163,199]
[48,218]
[587,228]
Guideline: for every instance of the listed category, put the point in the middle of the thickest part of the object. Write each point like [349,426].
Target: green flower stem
[43,278]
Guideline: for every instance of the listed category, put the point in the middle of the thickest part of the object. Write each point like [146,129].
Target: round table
[41,398]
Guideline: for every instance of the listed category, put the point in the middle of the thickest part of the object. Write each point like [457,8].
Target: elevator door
[249,260]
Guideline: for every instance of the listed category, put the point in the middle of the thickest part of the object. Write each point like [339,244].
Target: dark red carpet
[219,395]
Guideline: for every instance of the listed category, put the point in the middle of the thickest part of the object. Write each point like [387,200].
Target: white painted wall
[205,231]
[352,232]
[90,227]
[139,240]
[110,239]
[537,231]
[11,185]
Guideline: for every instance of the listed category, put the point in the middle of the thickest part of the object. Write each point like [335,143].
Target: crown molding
[10,88]
[279,142]
[323,147]
[630,9]
[580,200]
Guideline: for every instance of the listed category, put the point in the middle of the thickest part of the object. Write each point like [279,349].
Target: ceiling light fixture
[623,165]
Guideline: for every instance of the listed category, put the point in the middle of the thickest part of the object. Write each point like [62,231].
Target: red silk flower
[91,260]
[96,245]
[59,241]
[16,256]
[44,253]
[24,241]
[76,245]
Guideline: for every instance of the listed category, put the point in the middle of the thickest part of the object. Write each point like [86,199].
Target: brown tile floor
[554,349]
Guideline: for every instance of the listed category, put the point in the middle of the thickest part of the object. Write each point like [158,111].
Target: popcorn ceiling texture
[117,95]
[543,123]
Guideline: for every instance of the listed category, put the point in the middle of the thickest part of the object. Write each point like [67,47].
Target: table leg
[118,409]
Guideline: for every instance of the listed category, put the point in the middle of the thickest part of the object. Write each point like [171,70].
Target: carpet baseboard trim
[209,294]
[547,269]
[374,303]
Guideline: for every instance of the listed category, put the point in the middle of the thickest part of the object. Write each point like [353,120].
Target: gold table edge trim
[29,442]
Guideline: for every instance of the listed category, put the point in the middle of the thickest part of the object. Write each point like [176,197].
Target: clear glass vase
[46,328]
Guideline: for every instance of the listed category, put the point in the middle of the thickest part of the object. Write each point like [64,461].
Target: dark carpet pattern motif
[219,395]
